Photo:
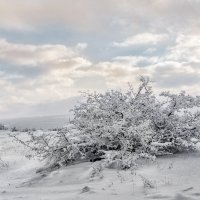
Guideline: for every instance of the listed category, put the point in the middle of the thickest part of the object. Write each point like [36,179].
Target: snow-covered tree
[124,126]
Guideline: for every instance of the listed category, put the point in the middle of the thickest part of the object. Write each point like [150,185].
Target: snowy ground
[170,178]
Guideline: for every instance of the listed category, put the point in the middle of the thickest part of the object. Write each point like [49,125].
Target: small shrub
[3,127]
[14,129]
[3,164]
[147,184]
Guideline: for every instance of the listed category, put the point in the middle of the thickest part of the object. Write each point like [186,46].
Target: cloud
[167,75]
[30,15]
[33,74]
[177,68]
[142,39]
[57,66]
[89,15]
[46,55]
[187,48]
[165,34]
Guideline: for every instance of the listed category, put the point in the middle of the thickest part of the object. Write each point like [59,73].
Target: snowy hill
[173,178]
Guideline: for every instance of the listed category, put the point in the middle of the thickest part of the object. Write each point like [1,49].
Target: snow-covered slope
[173,178]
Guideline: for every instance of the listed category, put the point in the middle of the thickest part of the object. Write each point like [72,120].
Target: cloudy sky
[50,50]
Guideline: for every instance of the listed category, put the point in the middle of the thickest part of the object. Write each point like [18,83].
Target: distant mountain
[40,122]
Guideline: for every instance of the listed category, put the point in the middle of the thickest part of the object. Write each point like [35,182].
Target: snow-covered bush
[136,121]
[122,127]
[176,123]
[3,164]
[117,120]
[3,127]
[59,148]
